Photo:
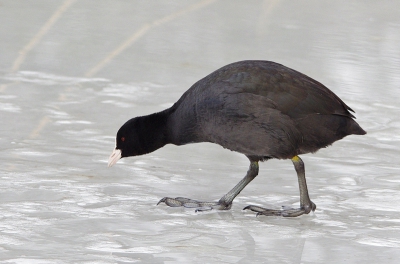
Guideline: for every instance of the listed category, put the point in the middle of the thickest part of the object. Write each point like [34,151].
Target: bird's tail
[354,128]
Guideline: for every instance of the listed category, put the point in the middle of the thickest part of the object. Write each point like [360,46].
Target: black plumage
[259,108]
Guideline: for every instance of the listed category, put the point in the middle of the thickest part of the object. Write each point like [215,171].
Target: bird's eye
[122,139]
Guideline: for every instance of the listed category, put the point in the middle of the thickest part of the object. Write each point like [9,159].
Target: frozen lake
[72,72]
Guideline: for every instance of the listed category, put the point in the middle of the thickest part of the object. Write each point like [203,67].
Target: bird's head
[127,142]
[138,136]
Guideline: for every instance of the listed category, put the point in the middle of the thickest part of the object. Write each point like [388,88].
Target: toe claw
[247,207]
[162,200]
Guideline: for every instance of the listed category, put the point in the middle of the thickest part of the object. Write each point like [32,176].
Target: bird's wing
[291,92]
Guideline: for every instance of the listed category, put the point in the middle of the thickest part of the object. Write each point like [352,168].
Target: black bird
[259,108]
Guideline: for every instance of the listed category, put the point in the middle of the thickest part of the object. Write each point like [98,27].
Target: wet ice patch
[70,122]
[57,114]
[8,96]
[380,242]
[81,132]
[35,153]
[118,103]
[49,79]
[126,91]
[28,261]
[128,94]
[8,107]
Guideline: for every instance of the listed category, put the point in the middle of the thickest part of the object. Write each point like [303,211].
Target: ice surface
[72,72]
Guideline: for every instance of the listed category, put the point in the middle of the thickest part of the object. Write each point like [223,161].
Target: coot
[259,108]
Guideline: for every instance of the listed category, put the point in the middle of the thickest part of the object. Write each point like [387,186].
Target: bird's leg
[306,205]
[224,203]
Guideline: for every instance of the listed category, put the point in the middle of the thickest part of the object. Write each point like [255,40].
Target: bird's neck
[155,131]
[182,127]
[169,127]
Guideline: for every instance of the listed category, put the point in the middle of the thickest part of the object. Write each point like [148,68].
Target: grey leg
[306,205]
[224,203]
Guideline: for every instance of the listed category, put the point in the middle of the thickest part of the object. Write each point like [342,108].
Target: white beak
[115,156]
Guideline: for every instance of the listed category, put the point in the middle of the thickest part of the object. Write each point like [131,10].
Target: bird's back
[266,109]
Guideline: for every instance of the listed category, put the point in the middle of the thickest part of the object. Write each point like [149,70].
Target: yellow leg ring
[296,159]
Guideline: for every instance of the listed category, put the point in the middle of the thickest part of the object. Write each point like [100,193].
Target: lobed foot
[189,203]
[290,212]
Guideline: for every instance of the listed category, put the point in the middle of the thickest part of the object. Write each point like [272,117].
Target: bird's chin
[114,157]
